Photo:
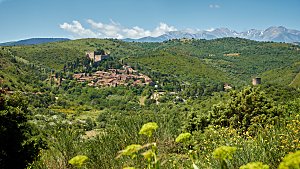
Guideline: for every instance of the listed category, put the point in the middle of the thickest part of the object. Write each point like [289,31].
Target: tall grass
[65,143]
[268,145]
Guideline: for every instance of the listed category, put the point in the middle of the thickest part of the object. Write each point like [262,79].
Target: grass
[296,81]
[269,145]
[123,114]
[142,100]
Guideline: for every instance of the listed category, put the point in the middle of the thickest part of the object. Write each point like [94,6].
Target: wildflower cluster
[224,152]
[129,168]
[78,160]
[148,128]
[183,137]
[150,155]
[255,165]
[131,150]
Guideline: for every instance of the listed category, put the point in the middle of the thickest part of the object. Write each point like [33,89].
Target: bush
[245,110]
[255,165]
[291,161]
[19,143]
[78,160]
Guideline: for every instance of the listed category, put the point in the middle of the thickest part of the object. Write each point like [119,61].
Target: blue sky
[22,19]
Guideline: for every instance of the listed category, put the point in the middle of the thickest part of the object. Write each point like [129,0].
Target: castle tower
[256,81]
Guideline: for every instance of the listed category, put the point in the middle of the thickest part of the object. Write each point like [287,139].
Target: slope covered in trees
[187,97]
[230,60]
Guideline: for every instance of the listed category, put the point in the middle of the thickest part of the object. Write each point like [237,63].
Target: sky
[22,19]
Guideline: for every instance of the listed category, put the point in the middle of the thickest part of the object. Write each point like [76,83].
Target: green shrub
[224,152]
[245,110]
[255,165]
[183,137]
[78,160]
[291,161]
[20,143]
[148,128]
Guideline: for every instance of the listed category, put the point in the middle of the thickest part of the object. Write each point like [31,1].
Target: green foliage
[171,69]
[196,121]
[245,110]
[89,124]
[18,74]
[148,128]
[268,145]
[20,143]
[151,154]
[148,155]
[183,137]
[255,165]
[224,152]
[130,150]
[291,161]
[172,63]
[78,160]
[98,122]
[296,81]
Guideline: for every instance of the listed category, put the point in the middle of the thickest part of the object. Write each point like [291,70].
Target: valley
[95,106]
[149,84]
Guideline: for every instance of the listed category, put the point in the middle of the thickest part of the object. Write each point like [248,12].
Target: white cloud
[136,32]
[114,30]
[162,29]
[76,28]
[214,6]
[111,30]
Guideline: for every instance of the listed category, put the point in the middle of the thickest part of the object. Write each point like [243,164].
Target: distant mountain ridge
[33,41]
[275,34]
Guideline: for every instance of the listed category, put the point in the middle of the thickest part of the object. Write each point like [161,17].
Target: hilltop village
[112,77]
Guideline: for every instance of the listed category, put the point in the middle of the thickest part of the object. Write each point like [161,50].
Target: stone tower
[256,81]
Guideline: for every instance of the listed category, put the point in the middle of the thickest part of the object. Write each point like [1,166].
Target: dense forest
[200,111]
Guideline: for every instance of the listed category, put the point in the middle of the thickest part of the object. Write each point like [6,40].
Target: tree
[20,142]
[245,110]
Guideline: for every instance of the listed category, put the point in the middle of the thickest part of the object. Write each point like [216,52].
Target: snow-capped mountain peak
[273,33]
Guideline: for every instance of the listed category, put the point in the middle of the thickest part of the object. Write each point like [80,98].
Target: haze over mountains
[276,34]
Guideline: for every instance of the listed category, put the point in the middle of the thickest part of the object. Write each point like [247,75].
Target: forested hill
[226,60]
[33,41]
[73,109]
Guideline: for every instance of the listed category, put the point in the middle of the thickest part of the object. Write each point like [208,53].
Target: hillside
[18,74]
[238,59]
[33,41]
[82,107]
[231,60]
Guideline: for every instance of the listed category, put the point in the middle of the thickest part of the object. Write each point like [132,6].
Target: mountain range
[33,41]
[275,34]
